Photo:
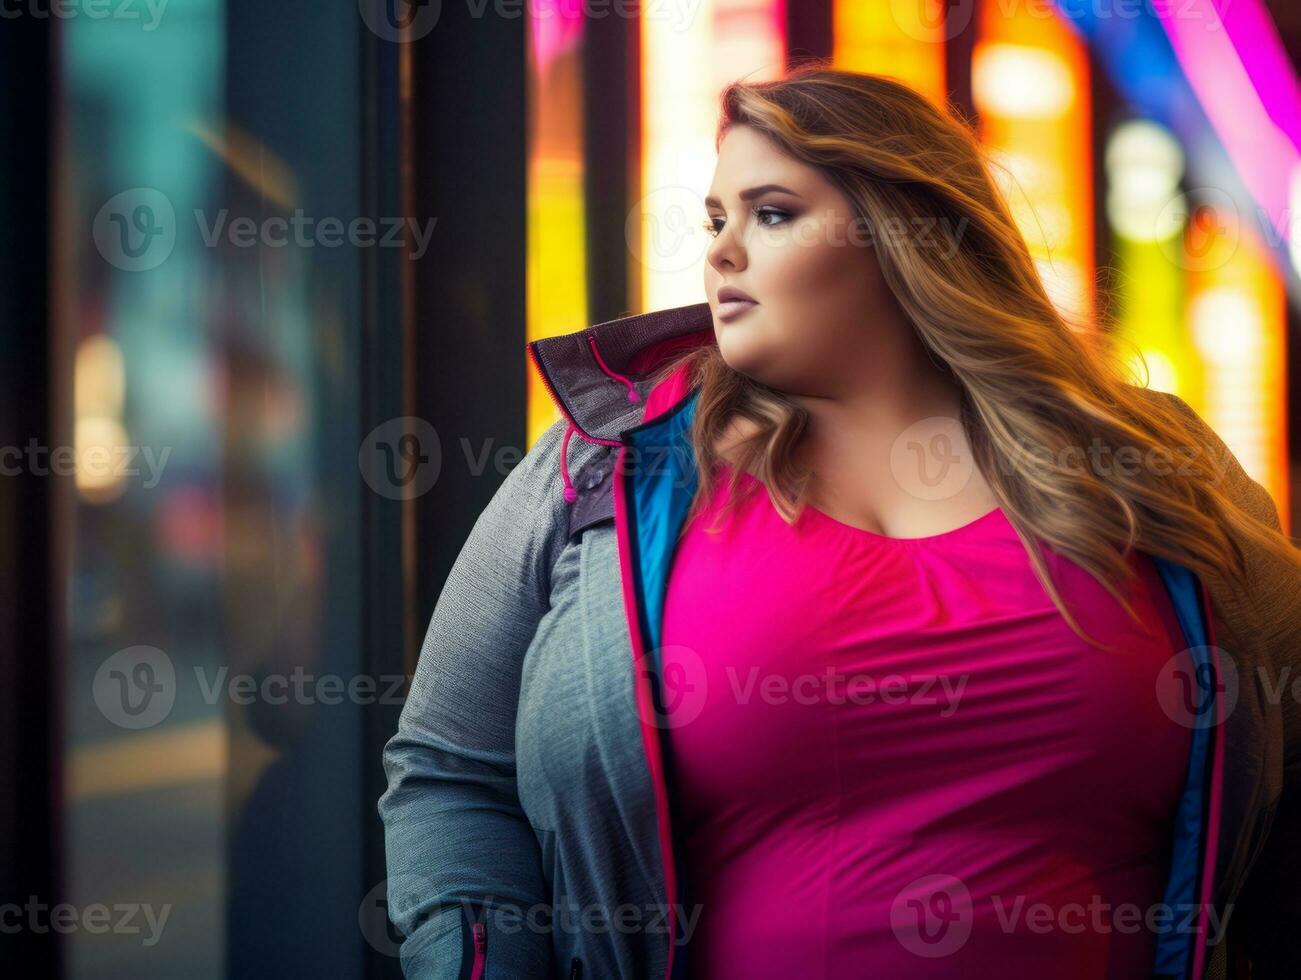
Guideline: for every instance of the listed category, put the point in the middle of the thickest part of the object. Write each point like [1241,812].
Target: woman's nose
[727,250]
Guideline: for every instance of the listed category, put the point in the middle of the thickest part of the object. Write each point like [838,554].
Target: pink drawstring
[632,392]
[570,493]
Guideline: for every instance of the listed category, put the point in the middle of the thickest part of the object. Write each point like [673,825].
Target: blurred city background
[260,261]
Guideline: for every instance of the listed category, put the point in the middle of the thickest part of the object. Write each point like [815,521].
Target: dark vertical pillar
[469,159]
[1109,111]
[808,30]
[611,159]
[31,575]
[960,32]
[390,629]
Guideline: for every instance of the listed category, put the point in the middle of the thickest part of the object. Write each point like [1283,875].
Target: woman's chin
[743,358]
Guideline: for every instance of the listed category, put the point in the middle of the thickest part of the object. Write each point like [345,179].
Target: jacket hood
[592,374]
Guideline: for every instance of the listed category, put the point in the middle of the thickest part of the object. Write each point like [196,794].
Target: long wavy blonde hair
[1035,390]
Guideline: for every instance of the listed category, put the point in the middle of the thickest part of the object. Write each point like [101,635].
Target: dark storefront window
[213,752]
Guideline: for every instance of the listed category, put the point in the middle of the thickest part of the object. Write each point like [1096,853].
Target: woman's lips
[733,308]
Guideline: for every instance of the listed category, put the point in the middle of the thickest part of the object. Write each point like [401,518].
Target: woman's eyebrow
[745,195]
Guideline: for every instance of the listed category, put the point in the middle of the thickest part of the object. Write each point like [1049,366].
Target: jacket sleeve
[458,845]
[1268,912]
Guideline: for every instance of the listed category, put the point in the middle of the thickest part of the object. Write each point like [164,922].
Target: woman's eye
[713,225]
[770,212]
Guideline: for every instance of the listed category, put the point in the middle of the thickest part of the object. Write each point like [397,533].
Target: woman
[929,676]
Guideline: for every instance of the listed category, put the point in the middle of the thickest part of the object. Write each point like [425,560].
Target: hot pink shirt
[893,757]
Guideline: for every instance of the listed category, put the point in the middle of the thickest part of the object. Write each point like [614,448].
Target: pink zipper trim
[480,932]
[661,399]
[1217,790]
[641,683]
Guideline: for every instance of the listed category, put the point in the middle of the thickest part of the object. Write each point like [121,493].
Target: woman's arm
[460,849]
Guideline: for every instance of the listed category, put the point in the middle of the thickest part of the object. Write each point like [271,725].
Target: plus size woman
[877,624]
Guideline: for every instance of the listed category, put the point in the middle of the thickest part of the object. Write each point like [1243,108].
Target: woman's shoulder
[1229,472]
[524,488]
[533,493]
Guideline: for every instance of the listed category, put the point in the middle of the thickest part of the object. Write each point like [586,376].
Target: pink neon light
[557,26]
[1234,96]
[1265,59]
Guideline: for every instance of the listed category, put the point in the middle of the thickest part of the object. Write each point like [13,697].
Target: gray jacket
[528,824]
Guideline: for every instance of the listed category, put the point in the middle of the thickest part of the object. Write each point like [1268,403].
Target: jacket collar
[628,345]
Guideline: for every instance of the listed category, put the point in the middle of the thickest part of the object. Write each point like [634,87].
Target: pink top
[893,757]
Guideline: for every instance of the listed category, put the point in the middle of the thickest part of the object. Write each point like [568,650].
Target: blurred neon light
[684,70]
[556,31]
[1266,62]
[904,40]
[1236,312]
[99,433]
[1234,61]
[1261,139]
[1144,166]
[1030,83]
[556,248]
[1217,77]
[999,73]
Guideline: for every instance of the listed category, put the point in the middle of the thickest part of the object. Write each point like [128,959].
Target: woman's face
[799,253]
